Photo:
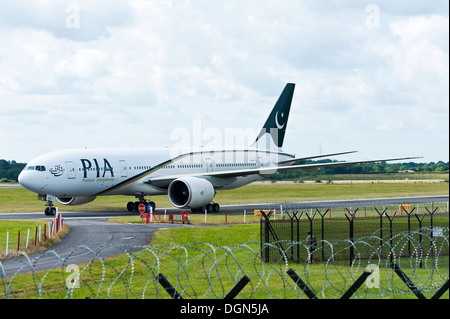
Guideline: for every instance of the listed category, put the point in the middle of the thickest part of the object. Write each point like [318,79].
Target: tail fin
[276,123]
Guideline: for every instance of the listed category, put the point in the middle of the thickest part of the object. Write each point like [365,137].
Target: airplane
[189,178]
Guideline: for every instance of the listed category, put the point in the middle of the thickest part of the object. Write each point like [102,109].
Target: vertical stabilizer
[271,135]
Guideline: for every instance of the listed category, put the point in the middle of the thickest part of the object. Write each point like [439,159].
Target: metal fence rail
[383,225]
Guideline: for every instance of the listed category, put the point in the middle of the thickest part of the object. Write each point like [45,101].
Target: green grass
[221,235]
[18,200]
[206,262]
[13,227]
[322,191]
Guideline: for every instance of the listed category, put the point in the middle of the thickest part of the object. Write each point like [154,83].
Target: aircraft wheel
[216,208]
[50,211]
[130,206]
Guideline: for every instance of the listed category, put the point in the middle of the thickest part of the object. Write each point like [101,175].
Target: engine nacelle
[190,192]
[76,200]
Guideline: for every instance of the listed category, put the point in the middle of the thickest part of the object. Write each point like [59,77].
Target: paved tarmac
[87,240]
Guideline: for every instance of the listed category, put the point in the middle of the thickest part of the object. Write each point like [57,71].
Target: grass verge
[27,229]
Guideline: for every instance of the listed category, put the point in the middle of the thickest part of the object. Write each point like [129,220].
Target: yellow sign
[403,208]
[266,211]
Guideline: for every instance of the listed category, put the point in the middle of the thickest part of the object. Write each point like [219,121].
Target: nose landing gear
[50,210]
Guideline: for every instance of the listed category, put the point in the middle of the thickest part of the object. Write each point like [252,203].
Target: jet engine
[76,200]
[190,192]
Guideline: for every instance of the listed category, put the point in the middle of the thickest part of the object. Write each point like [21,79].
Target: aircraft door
[70,170]
[209,165]
[123,168]
[260,162]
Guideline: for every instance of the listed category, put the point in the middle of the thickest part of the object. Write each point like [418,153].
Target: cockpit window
[39,168]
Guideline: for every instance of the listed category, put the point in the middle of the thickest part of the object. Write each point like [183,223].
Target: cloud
[78,20]
[135,70]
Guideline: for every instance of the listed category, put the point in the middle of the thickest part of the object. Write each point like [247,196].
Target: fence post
[7,242]
[18,240]
[299,282]
[356,284]
[298,233]
[28,237]
[323,232]
[268,228]
[407,281]
[237,288]
[431,224]
[408,213]
[168,287]
[311,221]
[381,228]
[390,235]
[292,235]
[266,237]
[420,219]
[350,219]
[441,291]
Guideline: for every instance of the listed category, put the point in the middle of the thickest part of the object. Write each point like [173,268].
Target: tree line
[364,169]
[10,170]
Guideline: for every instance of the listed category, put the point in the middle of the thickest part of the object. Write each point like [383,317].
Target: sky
[371,76]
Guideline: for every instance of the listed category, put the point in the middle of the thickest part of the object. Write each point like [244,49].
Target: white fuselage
[86,172]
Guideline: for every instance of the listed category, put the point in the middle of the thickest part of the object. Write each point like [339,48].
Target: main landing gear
[134,206]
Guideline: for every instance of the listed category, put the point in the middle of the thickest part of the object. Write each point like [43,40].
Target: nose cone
[25,180]
[22,179]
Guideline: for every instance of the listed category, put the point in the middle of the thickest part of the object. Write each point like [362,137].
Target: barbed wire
[207,271]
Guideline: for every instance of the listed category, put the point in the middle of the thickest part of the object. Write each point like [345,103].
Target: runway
[239,208]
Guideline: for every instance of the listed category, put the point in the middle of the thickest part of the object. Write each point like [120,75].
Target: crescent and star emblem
[276,121]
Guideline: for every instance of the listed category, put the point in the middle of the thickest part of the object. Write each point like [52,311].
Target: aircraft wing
[164,181]
[293,160]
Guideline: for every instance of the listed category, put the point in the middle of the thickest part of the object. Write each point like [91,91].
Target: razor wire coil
[207,271]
